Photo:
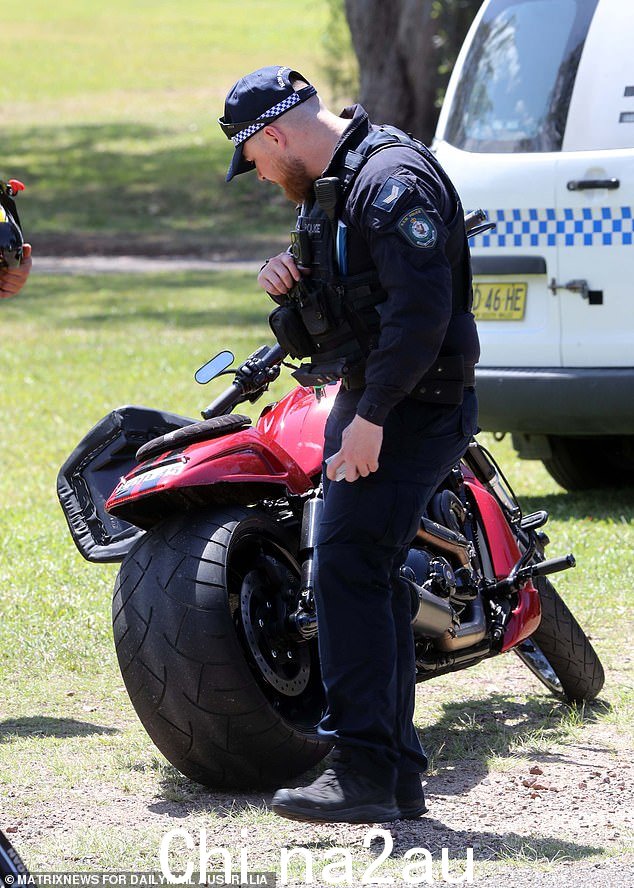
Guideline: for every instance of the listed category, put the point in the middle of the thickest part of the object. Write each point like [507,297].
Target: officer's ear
[275,135]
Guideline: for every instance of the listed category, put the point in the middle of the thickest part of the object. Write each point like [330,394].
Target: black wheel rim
[263,583]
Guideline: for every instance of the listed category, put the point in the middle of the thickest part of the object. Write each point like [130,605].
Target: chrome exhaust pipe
[433,615]
[444,540]
[467,633]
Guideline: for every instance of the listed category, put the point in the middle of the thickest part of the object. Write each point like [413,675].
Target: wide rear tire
[559,653]
[225,696]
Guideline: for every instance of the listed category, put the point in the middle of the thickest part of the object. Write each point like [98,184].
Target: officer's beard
[294,180]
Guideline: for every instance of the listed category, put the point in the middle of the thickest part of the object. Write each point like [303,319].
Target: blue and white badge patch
[418,229]
[388,196]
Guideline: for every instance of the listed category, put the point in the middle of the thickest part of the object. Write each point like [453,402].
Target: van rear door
[499,136]
[513,263]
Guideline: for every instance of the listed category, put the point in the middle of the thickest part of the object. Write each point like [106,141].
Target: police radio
[327,195]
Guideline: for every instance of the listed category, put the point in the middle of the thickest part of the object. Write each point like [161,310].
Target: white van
[537,128]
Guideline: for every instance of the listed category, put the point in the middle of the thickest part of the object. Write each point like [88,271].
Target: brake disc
[284,663]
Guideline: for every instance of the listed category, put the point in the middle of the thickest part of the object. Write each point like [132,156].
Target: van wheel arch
[581,463]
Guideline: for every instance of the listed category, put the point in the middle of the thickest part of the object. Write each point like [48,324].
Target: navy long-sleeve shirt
[396,215]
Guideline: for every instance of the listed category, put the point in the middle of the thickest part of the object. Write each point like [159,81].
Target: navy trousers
[366,644]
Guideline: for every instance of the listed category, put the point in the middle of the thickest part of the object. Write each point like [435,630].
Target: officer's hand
[13,279]
[279,274]
[360,447]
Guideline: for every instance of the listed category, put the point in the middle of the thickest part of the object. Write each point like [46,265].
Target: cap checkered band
[275,111]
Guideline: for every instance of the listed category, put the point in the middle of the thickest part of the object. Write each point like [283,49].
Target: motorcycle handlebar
[239,388]
[275,355]
[225,402]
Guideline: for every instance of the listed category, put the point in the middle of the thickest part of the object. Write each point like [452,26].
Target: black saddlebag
[94,469]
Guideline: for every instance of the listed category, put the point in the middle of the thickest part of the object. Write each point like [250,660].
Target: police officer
[376,292]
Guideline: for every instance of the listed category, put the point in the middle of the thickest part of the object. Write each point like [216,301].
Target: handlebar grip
[275,355]
[553,565]
[224,402]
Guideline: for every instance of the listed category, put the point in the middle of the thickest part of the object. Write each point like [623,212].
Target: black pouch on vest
[290,332]
[315,314]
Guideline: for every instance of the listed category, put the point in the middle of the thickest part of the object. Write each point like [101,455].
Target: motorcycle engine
[439,593]
[431,571]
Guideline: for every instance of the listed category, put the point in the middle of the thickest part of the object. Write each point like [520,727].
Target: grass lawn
[80,782]
[109,116]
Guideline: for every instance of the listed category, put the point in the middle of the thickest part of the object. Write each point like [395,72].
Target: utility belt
[444,382]
[336,327]
[336,331]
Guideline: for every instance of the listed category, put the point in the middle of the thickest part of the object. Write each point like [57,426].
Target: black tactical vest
[330,317]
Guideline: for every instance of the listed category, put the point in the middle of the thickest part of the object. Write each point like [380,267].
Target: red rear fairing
[284,449]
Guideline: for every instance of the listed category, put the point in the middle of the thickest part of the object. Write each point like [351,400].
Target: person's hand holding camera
[14,278]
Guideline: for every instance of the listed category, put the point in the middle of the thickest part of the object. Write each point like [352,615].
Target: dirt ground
[544,820]
[561,814]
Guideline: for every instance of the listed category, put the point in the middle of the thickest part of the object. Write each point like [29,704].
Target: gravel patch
[556,818]
[76,265]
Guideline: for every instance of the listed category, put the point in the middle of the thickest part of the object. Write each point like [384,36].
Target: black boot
[410,798]
[341,794]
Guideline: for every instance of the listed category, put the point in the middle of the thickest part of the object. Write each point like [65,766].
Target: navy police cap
[253,102]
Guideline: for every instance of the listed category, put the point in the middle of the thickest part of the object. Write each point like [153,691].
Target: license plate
[499,302]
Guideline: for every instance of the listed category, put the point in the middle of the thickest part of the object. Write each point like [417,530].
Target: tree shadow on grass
[169,318]
[129,187]
[45,726]
[197,799]
[434,835]
[465,736]
[120,301]
[427,832]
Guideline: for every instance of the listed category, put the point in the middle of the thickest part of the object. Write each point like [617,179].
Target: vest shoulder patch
[389,195]
[418,229]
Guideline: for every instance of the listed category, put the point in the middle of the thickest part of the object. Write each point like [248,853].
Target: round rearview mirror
[213,367]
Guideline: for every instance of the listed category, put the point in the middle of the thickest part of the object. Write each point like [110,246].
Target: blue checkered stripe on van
[579,227]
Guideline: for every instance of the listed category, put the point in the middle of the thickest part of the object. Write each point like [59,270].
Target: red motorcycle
[214,619]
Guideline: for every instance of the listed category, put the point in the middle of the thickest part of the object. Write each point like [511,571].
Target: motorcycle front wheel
[559,654]
[225,692]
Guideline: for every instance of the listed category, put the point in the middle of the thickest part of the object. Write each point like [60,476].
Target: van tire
[584,463]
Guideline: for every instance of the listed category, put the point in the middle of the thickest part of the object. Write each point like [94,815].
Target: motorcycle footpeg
[534,520]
